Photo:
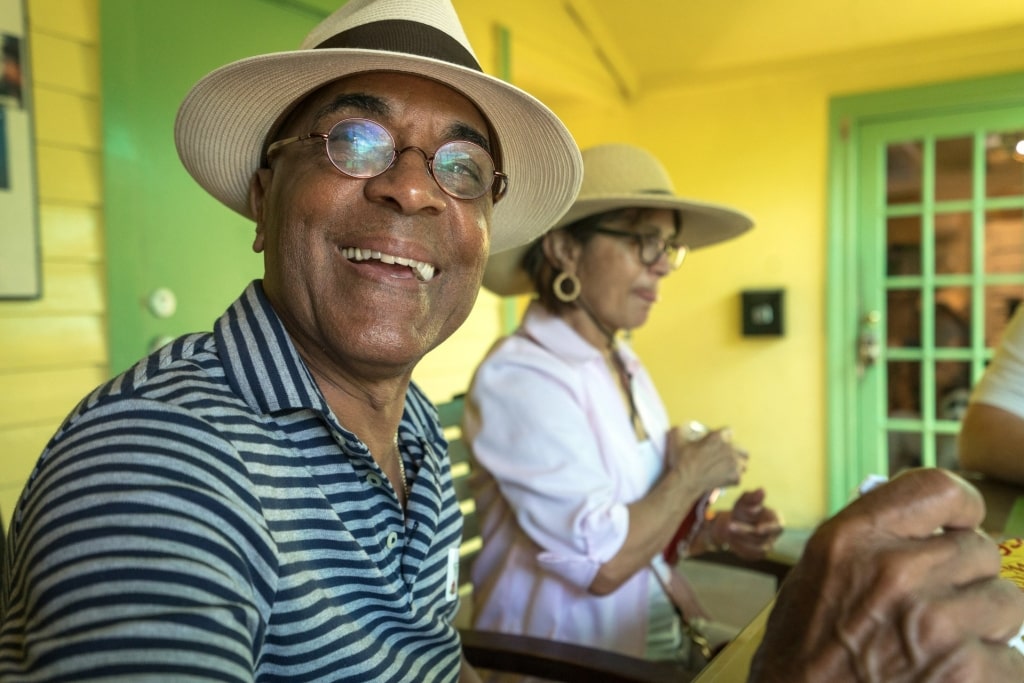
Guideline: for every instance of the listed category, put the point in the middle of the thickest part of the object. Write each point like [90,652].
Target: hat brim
[223,123]
[703,223]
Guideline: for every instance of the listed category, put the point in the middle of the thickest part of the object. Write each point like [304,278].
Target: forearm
[992,442]
[653,521]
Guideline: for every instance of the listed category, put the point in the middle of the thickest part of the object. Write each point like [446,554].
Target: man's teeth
[424,271]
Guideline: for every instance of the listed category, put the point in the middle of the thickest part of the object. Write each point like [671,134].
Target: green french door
[931,267]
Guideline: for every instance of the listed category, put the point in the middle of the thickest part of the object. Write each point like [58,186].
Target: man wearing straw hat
[272,500]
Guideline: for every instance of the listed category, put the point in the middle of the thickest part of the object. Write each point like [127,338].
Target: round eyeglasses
[652,246]
[361,148]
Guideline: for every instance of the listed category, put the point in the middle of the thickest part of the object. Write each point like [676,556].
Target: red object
[688,527]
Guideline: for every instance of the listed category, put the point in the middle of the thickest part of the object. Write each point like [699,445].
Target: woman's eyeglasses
[361,148]
[652,246]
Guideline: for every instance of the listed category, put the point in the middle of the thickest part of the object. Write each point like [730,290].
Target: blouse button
[392,540]
[373,479]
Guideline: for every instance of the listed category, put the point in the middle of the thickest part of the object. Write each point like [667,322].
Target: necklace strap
[626,382]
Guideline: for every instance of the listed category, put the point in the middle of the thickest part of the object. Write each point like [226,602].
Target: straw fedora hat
[222,126]
[618,176]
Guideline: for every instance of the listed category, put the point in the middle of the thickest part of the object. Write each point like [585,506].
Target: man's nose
[409,183]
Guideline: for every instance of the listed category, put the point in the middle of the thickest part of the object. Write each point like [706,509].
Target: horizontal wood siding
[54,350]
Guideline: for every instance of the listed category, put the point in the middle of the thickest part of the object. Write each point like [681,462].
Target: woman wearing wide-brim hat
[587,493]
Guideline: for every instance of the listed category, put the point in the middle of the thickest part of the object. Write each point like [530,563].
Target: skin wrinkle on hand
[912,633]
[914,615]
[868,624]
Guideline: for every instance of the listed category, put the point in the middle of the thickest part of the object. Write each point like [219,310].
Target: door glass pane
[951,376]
[1000,303]
[952,317]
[903,318]
[904,450]
[1004,241]
[945,451]
[904,389]
[1004,173]
[904,245]
[1004,255]
[953,162]
[952,243]
[952,388]
[903,172]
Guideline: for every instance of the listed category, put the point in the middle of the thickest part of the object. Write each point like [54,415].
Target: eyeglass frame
[665,247]
[499,180]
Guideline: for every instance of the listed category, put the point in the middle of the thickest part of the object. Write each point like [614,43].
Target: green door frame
[846,279]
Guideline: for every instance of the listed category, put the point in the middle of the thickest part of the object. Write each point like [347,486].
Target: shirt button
[373,479]
[392,540]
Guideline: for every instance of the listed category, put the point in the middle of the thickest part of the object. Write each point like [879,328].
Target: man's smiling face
[371,273]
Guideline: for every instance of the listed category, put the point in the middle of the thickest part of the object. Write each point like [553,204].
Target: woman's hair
[542,272]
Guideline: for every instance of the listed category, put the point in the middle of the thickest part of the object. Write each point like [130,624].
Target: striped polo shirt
[205,516]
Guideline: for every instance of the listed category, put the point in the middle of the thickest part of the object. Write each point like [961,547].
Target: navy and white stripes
[204,516]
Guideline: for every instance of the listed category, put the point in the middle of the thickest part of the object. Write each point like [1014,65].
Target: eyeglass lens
[364,149]
[652,246]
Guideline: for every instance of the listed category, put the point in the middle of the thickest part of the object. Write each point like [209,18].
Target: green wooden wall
[162,229]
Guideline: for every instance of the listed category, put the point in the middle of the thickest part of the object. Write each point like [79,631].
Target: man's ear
[258,187]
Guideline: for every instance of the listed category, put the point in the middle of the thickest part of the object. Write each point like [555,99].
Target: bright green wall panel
[161,228]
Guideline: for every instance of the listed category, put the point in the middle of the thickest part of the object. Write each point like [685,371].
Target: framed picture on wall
[20,276]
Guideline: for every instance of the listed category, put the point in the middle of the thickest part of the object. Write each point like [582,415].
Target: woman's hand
[749,530]
[708,463]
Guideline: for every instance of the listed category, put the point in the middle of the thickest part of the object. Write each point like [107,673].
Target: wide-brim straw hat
[618,176]
[222,126]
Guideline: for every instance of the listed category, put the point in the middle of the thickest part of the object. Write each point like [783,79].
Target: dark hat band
[400,35]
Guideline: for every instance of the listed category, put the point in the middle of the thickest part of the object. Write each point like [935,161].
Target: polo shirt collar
[252,339]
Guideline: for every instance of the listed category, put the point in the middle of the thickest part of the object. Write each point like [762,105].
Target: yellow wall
[54,350]
[754,138]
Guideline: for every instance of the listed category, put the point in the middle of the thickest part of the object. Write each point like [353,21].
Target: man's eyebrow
[377,106]
[463,131]
[367,104]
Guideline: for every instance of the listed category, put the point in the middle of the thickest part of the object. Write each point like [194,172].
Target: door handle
[869,346]
[162,303]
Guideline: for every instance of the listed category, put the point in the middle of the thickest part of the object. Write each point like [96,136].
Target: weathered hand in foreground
[898,586]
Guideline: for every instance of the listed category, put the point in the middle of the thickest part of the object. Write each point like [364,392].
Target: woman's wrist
[680,494]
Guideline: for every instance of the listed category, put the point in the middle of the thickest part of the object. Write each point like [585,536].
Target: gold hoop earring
[559,287]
